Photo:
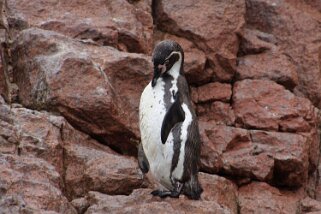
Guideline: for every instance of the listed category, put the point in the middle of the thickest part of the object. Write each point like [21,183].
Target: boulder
[44,160]
[215,140]
[278,158]
[255,42]
[214,91]
[259,197]
[97,89]
[295,26]
[31,166]
[31,133]
[272,66]
[219,196]
[218,112]
[35,180]
[281,159]
[271,107]
[213,28]
[309,205]
[90,166]
[2,80]
[125,25]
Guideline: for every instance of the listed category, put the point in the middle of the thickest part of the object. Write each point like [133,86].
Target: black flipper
[142,160]
[175,114]
[192,186]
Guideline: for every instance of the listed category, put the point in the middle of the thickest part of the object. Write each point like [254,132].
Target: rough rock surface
[278,68]
[296,26]
[31,160]
[2,81]
[219,197]
[105,105]
[89,166]
[213,28]
[309,205]
[44,161]
[71,75]
[128,25]
[271,107]
[262,198]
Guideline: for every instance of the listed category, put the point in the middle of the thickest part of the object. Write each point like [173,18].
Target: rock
[31,161]
[2,80]
[81,204]
[213,92]
[213,28]
[219,189]
[97,89]
[216,139]
[309,205]
[219,196]
[33,180]
[277,158]
[256,42]
[250,64]
[295,25]
[312,183]
[43,158]
[27,132]
[15,204]
[195,68]
[42,140]
[261,198]
[318,183]
[8,136]
[93,167]
[271,107]
[113,175]
[125,25]
[218,112]
[268,66]
[281,159]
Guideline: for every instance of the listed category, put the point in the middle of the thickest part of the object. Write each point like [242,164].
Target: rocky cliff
[70,80]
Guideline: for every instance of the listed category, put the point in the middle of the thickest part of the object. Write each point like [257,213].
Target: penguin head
[165,55]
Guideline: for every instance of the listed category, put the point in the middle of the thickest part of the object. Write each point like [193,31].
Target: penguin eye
[166,62]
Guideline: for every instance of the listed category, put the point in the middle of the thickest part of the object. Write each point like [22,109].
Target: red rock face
[128,25]
[261,104]
[262,198]
[2,81]
[282,20]
[97,89]
[72,73]
[212,28]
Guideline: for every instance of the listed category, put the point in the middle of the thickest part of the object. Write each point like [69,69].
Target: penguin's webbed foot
[173,194]
[164,194]
[161,193]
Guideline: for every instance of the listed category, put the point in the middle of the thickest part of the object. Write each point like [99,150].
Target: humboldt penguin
[170,139]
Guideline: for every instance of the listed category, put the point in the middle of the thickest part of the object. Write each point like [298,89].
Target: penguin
[170,139]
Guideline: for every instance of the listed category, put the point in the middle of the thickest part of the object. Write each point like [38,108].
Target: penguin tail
[192,188]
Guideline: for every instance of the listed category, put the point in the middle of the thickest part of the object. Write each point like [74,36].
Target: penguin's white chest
[151,114]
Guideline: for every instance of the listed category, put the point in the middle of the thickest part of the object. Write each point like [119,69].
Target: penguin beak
[158,70]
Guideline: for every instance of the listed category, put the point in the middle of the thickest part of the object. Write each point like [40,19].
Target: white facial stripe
[174,52]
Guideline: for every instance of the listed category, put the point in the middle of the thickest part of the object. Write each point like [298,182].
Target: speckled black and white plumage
[168,125]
